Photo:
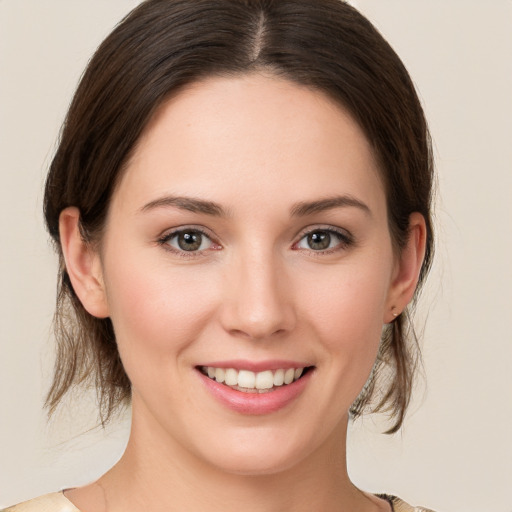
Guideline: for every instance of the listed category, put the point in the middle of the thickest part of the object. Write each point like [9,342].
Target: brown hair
[163,45]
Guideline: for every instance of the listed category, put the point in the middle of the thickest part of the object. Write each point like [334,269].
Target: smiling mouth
[247,381]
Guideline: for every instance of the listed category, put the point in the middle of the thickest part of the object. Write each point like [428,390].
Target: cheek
[157,311]
[346,314]
[352,300]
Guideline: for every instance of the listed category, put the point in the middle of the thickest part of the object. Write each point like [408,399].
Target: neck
[156,473]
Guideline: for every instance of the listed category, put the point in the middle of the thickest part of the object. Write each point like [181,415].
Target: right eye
[324,240]
[188,240]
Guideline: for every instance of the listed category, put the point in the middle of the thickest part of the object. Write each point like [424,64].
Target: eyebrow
[190,204]
[308,208]
[300,209]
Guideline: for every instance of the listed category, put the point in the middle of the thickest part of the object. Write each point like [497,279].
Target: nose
[258,301]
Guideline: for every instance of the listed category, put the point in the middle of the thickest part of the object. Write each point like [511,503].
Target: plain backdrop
[455,452]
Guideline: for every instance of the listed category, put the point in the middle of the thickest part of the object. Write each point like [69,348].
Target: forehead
[251,137]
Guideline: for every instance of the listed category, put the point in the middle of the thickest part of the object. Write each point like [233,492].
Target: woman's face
[247,239]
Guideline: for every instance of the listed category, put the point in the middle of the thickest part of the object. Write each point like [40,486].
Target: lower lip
[256,403]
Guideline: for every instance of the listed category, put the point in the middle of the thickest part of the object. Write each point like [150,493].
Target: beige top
[57,502]
[54,502]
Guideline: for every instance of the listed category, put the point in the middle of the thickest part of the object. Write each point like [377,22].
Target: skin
[258,147]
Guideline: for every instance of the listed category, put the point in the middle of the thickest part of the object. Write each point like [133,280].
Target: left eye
[189,240]
[321,240]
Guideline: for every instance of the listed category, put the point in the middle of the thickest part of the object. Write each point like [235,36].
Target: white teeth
[279,378]
[219,374]
[289,375]
[264,380]
[246,379]
[231,377]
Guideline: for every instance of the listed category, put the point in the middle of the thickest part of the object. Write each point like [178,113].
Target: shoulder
[54,502]
[401,506]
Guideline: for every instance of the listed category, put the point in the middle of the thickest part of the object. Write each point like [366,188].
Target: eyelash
[167,237]
[345,240]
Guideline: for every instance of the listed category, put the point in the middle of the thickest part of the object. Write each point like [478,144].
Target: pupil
[319,240]
[190,241]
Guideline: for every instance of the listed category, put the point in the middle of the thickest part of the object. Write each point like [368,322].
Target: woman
[241,204]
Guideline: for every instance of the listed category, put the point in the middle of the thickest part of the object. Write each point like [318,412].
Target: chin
[256,464]
[263,451]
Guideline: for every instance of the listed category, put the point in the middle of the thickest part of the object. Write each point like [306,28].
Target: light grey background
[455,453]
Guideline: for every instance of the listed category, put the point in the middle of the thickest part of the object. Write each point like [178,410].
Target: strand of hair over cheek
[389,387]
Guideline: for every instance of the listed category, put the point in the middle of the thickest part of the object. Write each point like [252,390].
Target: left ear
[407,269]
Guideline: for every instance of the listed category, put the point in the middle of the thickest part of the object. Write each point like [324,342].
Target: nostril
[257,306]
[257,333]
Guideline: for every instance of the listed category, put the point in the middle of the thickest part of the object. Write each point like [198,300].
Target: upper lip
[256,366]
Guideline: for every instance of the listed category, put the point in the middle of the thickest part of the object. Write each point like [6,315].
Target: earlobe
[406,275]
[82,264]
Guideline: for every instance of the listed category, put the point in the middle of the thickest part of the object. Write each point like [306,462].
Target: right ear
[83,264]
